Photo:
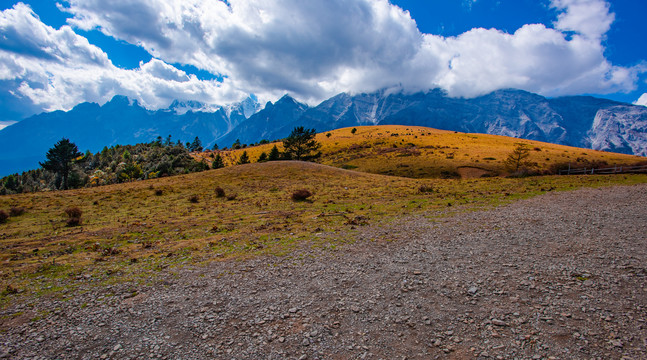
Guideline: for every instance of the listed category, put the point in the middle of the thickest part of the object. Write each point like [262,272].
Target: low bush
[16,211]
[3,216]
[73,212]
[159,192]
[425,189]
[194,199]
[301,195]
[231,197]
[74,216]
[220,192]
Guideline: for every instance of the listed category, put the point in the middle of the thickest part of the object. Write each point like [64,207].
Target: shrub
[73,212]
[424,189]
[231,197]
[73,221]
[3,216]
[301,195]
[194,199]
[74,215]
[220,192]
[16,211]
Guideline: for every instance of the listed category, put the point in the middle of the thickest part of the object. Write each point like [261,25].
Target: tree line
[66,167]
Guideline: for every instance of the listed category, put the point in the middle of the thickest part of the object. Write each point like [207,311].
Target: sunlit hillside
[420,152]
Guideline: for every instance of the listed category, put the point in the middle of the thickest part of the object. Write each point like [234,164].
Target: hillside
[579,121]
[420,152]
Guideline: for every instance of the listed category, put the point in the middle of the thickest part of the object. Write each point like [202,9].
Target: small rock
[293,310]
[117,347]
[473,290]
[498,322]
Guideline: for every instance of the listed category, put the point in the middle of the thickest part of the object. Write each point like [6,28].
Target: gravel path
[558,276]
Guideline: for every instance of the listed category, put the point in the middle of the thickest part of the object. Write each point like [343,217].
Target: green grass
[130,234]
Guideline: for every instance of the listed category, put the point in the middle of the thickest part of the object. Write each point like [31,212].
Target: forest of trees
[120,163]
[67,168]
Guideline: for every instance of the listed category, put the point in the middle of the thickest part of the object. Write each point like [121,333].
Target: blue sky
[54,55]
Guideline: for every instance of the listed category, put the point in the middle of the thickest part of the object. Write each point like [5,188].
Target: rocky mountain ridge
[580,121]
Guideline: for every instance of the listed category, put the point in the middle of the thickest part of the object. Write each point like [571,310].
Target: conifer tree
[244,158]
[60,159]
[217,162]
[274,154]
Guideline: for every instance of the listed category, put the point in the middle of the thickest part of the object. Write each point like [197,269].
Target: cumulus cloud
[57,69]
[642,100]
[311,49]
[316,49]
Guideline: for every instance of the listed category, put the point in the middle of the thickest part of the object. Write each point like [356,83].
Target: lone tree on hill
[60,159]
[301,144]
[517,159]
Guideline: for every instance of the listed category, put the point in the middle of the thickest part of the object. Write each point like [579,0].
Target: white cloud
[590,18]
[57,69]
[316,49]
[642,100]
[311,49]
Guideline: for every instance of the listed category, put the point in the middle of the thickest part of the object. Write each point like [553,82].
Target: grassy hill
[129,231]
[420,152]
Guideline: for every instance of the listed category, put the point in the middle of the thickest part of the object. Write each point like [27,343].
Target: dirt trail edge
[560,275]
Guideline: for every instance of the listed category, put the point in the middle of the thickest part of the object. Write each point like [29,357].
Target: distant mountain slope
[579,121]
[119,121]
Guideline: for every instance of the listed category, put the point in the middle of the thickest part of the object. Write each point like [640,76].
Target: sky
[57,54]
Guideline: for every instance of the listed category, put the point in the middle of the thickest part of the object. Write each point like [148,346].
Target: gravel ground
[560,275]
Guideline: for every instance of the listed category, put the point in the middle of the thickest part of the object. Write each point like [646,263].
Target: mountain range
[580,121]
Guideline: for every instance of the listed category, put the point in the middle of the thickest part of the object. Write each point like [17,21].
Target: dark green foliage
[60,158]
[274,154]
[263,142]
[196,145]
[353,131]
[301,144]
[262,157]
[215,147]
[236,144]
[3,216]
[217,162]
[120,163]
[244,158]
[219,192]
[194,199]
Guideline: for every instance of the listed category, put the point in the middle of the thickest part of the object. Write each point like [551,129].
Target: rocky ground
[558,276]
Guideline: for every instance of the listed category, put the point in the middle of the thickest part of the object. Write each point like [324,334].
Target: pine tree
[217,162]
[196,145]
[301,144]
[517,159]
[244,158]
[60,159]
[262,157]
[274,154]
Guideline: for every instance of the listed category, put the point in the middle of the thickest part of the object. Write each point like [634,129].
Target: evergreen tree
[244,158]
[236,144]
[168,141]
[217,162]
[274,154]
[196,145]
[60,159]
[262,157]
[517,159]
[214,147]
[301,144]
